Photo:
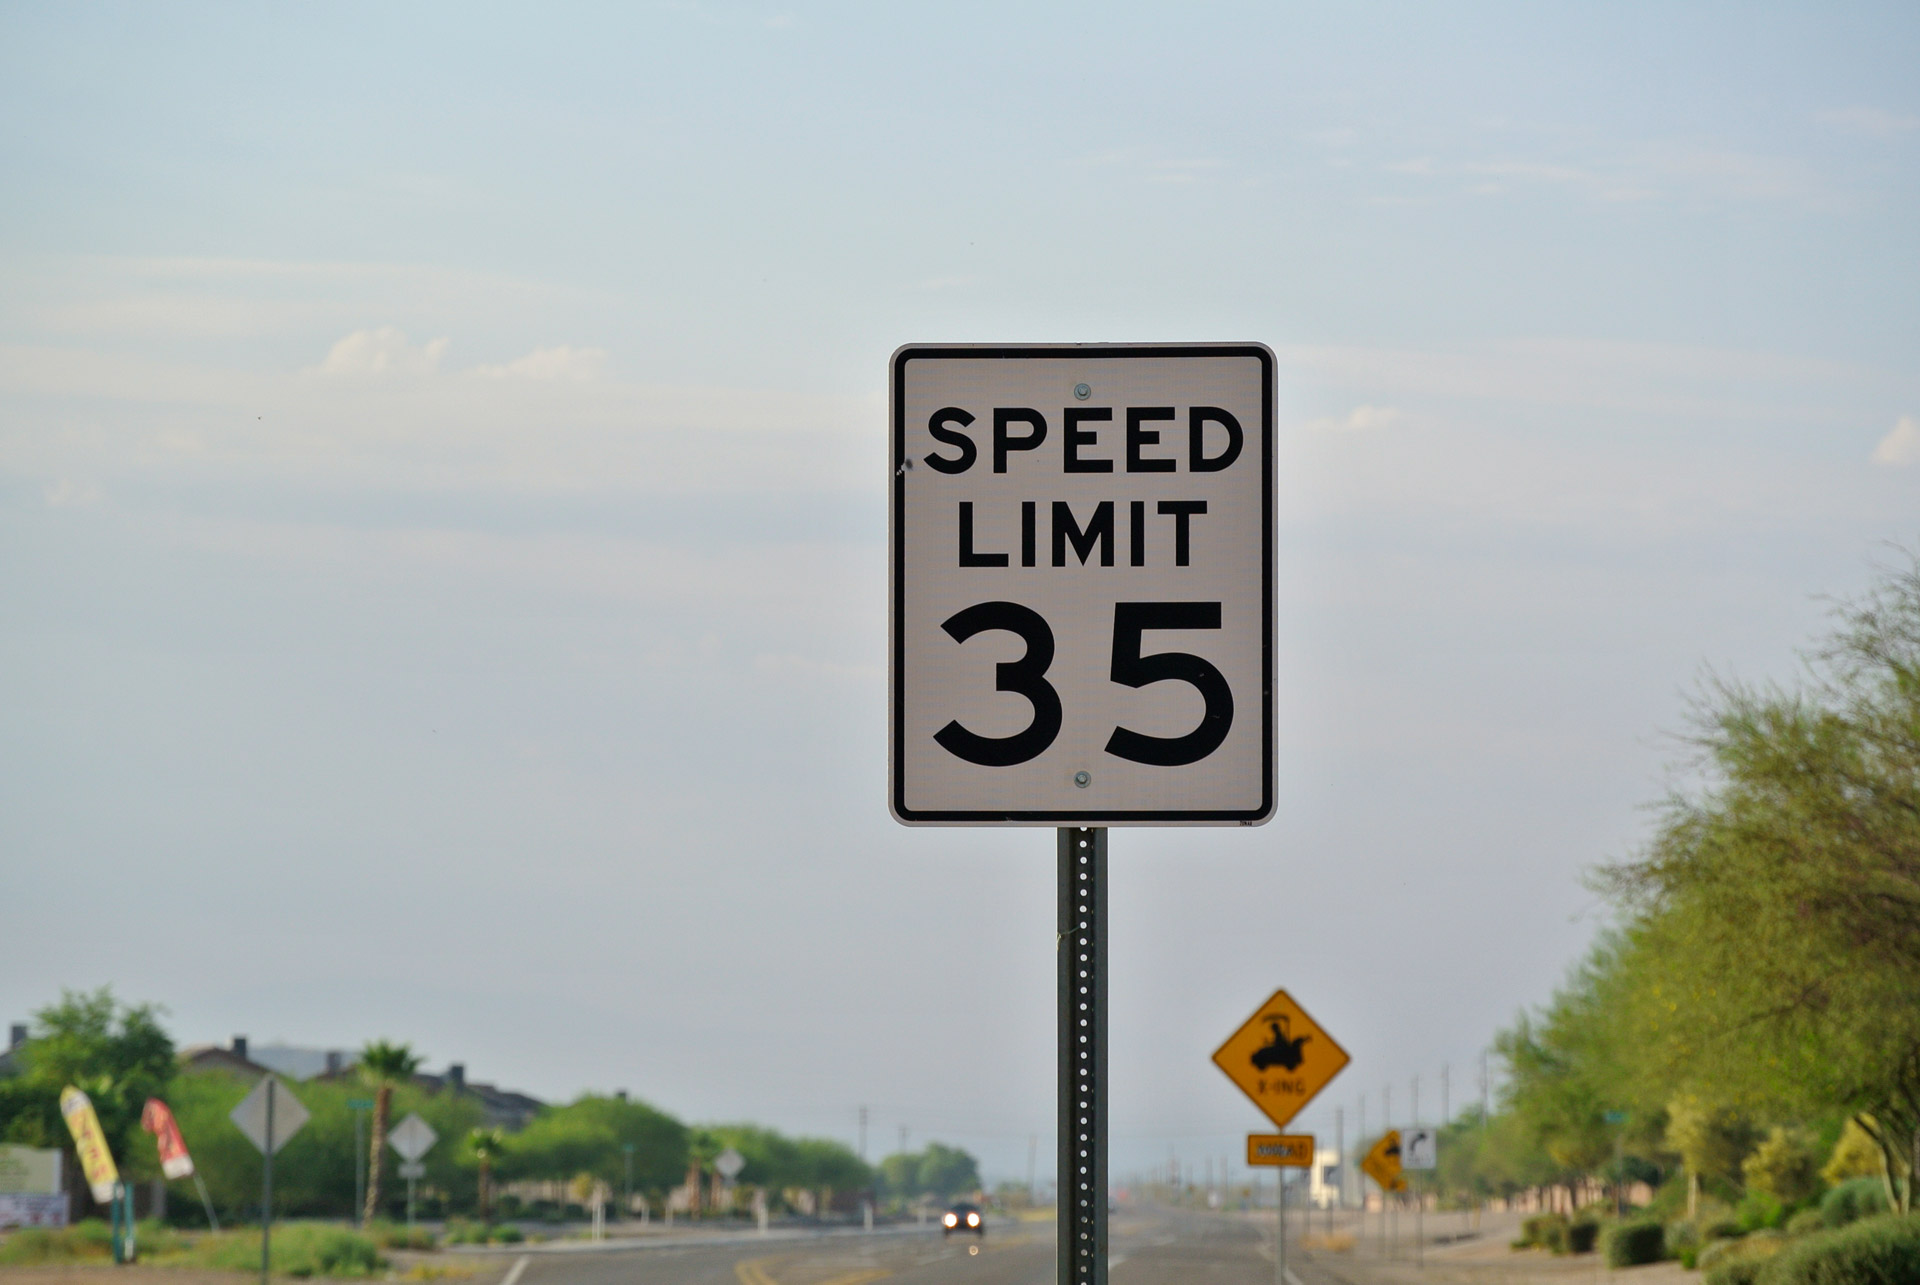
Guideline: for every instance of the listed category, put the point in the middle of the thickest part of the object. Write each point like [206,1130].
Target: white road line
[520,1265]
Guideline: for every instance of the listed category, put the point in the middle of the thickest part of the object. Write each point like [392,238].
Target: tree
[117,1054]
[1712,1140]
[1784,1165]
[383,1064]
[485,1146]
[1780,898]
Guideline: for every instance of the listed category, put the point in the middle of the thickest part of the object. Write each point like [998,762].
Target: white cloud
[67,493]
[385,351]
[562,362]
[1869,120]
[1360,419]
[1902,445]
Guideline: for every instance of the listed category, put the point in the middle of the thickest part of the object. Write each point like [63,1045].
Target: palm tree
[486,1146]
[383,1064]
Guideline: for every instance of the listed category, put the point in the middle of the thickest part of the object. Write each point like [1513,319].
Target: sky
[443,516]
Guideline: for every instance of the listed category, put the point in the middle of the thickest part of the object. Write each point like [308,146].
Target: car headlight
[973,1220]
[953,1220]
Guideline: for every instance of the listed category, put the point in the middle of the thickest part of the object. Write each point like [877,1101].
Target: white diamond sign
[730,1163]
[412,1137]
[269,1098]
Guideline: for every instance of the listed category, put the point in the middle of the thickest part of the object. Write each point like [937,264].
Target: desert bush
[1722,1229]
[1738,1262]
[388,1235]
[85,1241]
[1853,1200]
[1758,1209]
[1630,1244]
[507,1236]
[1806,1222]
[298,1249]
[1873,1251]
[1582,1234]
[1543,1231]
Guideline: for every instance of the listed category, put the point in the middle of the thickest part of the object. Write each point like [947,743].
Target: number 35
[1027,676]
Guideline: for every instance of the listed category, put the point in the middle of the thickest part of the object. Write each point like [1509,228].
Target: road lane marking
[859,1278]
[750,1272]
[513,1273]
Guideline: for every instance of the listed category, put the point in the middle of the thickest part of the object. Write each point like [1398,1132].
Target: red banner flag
[157,1120]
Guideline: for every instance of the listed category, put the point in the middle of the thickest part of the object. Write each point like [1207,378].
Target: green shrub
[1630,1244]
[1722,1229]
[1543,1231]
[1736,1269]
[1874,1251]
[1854,1200]
[85,1241]
[1758,1209]
[507,1236]
[1806,1222]
[400,1236]
[151,1236]
[299,1249]
[1582,1234]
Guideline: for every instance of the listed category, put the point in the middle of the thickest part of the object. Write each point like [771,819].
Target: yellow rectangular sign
[1280,1150]
[1280,1058]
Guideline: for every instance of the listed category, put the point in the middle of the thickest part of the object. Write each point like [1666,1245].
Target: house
[500,1108]
[232,1059]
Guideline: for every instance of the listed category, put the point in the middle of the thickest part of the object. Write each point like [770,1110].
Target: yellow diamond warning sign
[1280,1150]
[1383,1162]
[1280,1058]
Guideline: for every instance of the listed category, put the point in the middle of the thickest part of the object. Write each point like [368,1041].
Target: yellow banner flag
[90,1142]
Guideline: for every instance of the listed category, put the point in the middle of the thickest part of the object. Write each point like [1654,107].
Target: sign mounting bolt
[1083,391]
[1083,779]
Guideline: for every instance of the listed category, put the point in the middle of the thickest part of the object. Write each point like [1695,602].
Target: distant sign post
[1081,632]
[412,1138]
[1281,1058]
[269,1115]
[729,1163]
[1419,1149]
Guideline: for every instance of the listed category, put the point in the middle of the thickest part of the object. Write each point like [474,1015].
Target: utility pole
[863,1133]
[1033,1150]
[1340,1150]
[903,1139]
[1445,1117]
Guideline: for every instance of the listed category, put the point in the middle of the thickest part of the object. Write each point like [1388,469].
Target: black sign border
[897,586]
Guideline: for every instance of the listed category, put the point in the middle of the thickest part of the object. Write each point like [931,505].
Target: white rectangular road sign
[1419,1149]
[1082,585]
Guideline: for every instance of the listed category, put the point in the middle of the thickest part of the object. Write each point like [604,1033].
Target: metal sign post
[1081,634]
[269,1115]
[1081,1238]
[1282,1151]
[266,1185]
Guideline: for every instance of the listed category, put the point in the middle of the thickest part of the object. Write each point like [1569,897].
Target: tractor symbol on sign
[1283,1050]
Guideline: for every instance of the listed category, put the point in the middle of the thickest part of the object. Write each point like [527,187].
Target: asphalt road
[1154,1247]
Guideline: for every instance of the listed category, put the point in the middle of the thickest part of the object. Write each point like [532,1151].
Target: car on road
[963,1217]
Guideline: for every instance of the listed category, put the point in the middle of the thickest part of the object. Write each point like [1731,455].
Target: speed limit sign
[1081,546]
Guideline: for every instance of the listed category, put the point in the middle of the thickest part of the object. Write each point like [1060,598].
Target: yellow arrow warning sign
[1280,1058]
[1383,1162]
[1280,1150]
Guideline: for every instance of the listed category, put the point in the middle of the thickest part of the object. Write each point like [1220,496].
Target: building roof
[218,1057]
